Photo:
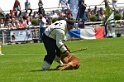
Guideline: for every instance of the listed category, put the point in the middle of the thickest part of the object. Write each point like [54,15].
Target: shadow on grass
[43,70]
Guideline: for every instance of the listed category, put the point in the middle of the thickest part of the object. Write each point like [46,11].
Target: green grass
[103,61]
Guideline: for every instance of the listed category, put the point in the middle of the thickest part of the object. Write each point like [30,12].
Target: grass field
[103,61]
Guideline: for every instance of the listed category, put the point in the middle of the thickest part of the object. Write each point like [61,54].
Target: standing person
[28,7]
[42,23]
[53,41]
[40,5]
[81,11]
[73,4]
[114,4]
[17,7]
[106,3]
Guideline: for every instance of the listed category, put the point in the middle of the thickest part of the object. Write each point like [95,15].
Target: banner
[87,33]
[20,35]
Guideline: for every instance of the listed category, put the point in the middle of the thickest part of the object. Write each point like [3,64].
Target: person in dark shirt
[81,11]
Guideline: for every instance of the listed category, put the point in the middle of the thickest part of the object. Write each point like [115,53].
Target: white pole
[1,48]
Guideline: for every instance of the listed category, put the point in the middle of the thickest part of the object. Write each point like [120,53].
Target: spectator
[28,7]
[91,13]
[69,16]
[40,5]
[12,14]
[101,10]
[88,16]
[49,21]
[23,23]
[102,15]
[13,25]
[81,11]
[54,14]
[61,16]
[73,4]
[114,4]
[98,15]
[106,3]
[1,23]
[7,24]
[17,24]
[35,15]
[17,7]
[42,23]
[25,15]
[43,12]
[95,10]
[29,22]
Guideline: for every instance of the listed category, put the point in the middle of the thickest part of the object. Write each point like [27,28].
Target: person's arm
[59,41]
[84,4]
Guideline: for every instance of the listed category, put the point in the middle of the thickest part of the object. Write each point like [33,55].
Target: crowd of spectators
[18,19]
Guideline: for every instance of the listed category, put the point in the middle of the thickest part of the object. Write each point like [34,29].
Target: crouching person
[53,41]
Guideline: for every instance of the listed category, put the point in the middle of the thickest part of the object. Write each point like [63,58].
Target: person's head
[70,24]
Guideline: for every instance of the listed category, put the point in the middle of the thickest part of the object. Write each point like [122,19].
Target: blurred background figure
[114,4]
[106,3]
[40,5]
[81,12]
[42,23]
[73,4]
[17,7]
[28,7]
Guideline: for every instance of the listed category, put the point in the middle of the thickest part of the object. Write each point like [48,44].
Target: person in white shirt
[53,41]
[42,23]
[54,14]
[1,23]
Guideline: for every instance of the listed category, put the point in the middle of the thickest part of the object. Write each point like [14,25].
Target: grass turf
[103,61]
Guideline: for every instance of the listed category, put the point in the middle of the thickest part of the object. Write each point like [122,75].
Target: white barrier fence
[10,36]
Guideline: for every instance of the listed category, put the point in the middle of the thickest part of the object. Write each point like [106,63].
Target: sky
[8,4]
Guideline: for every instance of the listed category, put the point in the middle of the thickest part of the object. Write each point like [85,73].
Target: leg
[20,13]
[30,12]
[50,45]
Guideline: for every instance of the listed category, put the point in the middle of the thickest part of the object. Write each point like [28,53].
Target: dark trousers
[29,12]
[16,12]
[51,48]
[82,17]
